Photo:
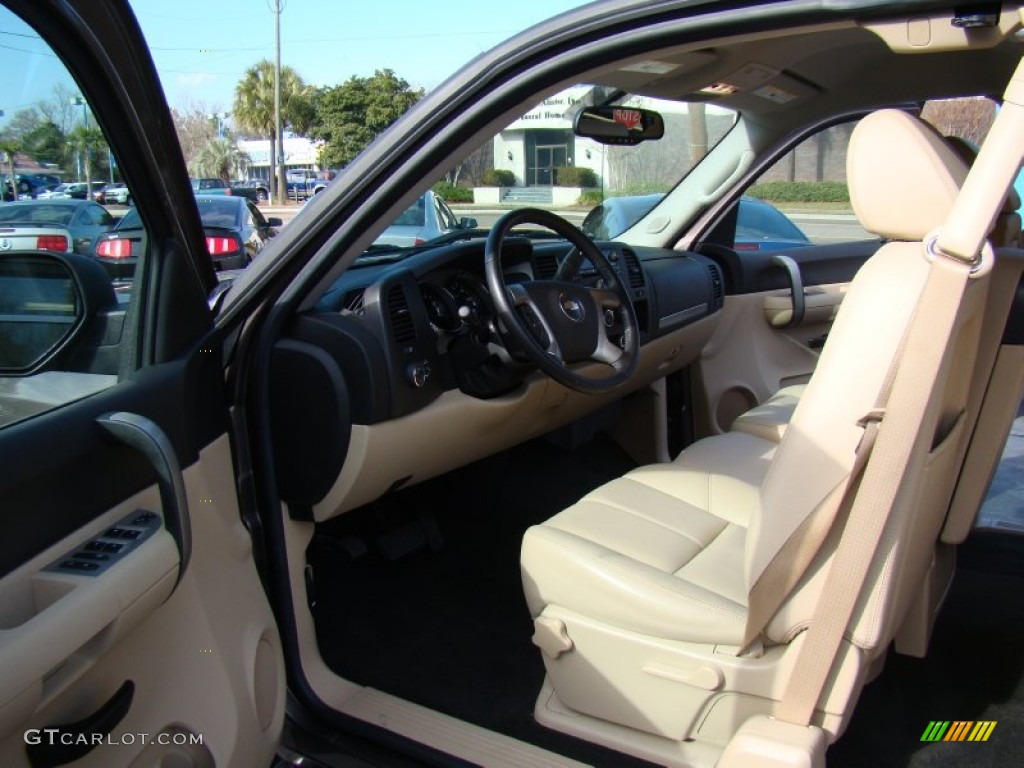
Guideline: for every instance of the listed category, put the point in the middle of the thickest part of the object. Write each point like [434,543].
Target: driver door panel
[202,653]
[134,629]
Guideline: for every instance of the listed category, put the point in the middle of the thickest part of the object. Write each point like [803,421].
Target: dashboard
[410,356]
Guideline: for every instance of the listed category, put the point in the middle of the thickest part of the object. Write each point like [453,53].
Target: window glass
[802,199]
[57,345]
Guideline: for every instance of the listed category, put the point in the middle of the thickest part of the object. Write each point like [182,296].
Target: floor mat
[973,672]
[447,626]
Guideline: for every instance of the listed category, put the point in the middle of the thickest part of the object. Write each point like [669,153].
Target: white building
[299,153]
[542,140]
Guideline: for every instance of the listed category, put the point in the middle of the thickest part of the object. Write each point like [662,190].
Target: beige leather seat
[640,591]
[770,418]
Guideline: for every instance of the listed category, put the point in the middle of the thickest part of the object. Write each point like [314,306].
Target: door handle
[796,284]
[146,436]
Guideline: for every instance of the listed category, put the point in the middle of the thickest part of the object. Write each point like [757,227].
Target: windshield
[218,213]
[36,213]
[538,161]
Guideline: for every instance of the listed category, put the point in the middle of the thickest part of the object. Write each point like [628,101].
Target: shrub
[497,177]
[590,198]
[451,193]
[801,192]
[574,176]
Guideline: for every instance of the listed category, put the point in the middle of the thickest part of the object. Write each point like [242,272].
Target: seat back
[903,180]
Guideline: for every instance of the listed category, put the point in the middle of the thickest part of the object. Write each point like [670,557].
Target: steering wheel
[558,322]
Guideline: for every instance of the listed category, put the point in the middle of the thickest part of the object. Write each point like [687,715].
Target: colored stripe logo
[958,730]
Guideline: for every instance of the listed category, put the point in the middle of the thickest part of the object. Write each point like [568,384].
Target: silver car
[427,218]
[21,235]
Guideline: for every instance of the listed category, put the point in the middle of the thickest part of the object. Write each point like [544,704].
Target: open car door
[134,629]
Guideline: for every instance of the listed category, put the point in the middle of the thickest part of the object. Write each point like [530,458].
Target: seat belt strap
[792,560]
[789,564]
[897,436]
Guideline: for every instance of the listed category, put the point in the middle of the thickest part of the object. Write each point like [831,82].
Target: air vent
[636,272]
[353,302]
[717,289]
[545,265]
[399,316]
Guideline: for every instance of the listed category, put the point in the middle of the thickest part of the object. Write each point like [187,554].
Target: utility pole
[80,101]
[278,148]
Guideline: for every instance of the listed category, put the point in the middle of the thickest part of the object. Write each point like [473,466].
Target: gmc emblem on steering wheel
[572,308]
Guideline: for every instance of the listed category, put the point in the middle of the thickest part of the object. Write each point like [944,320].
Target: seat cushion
[770,419]
[660,550]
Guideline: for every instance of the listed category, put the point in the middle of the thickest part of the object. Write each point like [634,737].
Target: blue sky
[202,47]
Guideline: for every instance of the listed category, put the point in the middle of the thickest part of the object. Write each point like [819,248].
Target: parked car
[84,220]
[236,232]
[428,217]
[760,226]
[20,233]
[219,187]
[59,192]
[475,501]
[76,190]
[116,194]
[303,184]
[30,185]
[261,187]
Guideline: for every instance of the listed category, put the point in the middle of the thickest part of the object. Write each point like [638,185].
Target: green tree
[86,141]
[220,158]
[46,144]
[23,122]
[351,115]
[254,104]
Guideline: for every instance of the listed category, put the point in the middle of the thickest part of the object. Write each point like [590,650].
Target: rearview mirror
[618,125]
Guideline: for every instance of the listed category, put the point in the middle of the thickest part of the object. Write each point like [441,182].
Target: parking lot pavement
[284,212]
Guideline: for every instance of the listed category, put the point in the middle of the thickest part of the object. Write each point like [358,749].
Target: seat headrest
[968,153]
[903,176]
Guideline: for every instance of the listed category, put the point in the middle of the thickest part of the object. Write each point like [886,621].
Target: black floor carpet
[972,672]
[446,625]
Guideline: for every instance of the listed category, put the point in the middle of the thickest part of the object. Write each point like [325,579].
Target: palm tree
[254,104]
[221,158]
[85,140]
[8,147]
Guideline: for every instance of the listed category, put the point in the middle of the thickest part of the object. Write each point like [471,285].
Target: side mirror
[618,125]
[468,223]
[45,299]
[274,221]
